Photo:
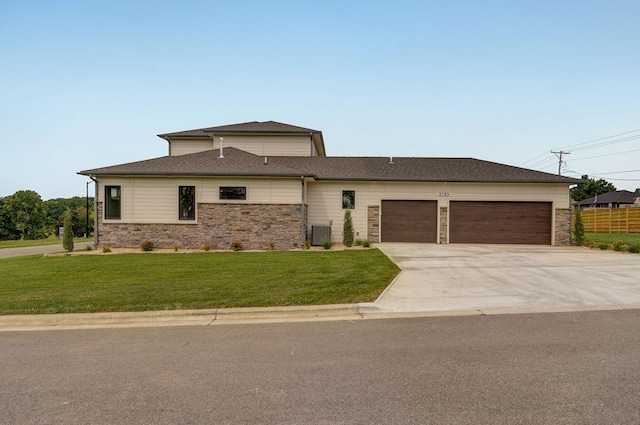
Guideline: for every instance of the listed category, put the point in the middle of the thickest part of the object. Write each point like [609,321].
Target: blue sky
[89,83]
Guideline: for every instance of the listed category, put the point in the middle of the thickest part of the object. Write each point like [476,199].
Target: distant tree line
[24,215]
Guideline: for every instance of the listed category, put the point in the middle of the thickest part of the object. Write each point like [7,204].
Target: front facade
[271,184]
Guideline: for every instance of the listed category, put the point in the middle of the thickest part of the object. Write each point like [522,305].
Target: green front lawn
[627,238]
[39,242]
[137,282]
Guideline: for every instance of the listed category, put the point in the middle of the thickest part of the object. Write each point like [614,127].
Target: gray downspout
[303,227]
[95,212]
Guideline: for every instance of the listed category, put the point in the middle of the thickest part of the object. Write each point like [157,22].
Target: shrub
[89,248]
[347,229]
[603,246]
[272,246]
[620,246]
[366,243]
[175,247]
[357,242]
[578,228]
[635,248]
[592,244]
[327,244]
[67,239]
[206,247]
[236,246]
[106,249]
[307,244]
[147,245]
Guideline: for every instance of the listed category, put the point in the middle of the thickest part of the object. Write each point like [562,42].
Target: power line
[603,138]
[600,156]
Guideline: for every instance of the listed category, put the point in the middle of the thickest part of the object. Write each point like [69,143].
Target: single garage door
[409,221]
[500,222]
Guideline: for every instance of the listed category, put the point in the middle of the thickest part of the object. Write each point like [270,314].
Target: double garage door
[469,222]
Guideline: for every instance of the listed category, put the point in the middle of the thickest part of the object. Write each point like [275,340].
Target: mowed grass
[148,281]
[627,238]
[39,242]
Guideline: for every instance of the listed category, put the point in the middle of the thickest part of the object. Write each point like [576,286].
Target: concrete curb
[230,316]
[178,317]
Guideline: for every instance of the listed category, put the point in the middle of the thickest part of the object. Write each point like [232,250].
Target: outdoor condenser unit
[320,234]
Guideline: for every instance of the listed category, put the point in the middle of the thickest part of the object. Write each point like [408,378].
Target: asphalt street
[560,368]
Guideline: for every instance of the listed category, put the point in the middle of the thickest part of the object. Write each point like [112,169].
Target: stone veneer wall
[255,226]
[444,220]
[373,223]
[563,227]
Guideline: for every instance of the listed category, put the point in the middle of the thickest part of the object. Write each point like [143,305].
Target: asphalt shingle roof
[240,163]
[247,127]
[618,196]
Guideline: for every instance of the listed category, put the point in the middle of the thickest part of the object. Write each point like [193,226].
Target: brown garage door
[500,222]
[409,221]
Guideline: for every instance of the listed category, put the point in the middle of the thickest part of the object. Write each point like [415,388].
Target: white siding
[183,147]
[155,200]
[325,198]
[269,145]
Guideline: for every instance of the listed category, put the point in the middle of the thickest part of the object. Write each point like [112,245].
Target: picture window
[233,193]
[112,204]
[348,199]
[187,202]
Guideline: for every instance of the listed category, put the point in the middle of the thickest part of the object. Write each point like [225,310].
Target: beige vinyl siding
[325,198]
[269,145]
[155,200]
[187,146]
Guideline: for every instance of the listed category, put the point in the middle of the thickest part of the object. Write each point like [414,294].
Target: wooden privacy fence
[611,220]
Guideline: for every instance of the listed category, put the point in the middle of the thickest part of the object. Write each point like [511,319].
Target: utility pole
[559,155]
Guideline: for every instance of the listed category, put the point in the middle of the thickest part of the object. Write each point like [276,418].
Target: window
[348,199]
[187,202]
[112,195]
[235,193]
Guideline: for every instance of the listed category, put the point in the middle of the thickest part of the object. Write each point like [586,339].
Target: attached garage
[409,221]
[500,222]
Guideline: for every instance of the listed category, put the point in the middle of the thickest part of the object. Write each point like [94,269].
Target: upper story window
[187,202]
[233,193]
[112,202]
[348,199]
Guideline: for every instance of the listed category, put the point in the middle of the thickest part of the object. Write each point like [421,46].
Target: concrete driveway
[509,278]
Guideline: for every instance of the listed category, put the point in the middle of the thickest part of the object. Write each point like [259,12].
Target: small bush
[67,239]
[347,229]
[635,248]
[89,248]
[603,246]
[357,242]
[272,246]
[236,246]
[307,244]
[327,244]
[147,246]
[206,247]
[175,247]
[620,246]
[106,249]
[366,243]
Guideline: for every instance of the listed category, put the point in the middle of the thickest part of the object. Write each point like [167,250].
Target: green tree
[67,240]
[347,229]
[28,213]
[578,228]
[591,188]
[7,230]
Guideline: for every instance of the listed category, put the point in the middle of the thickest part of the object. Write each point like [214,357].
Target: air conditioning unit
[320,234]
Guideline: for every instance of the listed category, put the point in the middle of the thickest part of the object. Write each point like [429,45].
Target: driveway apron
[509,277]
